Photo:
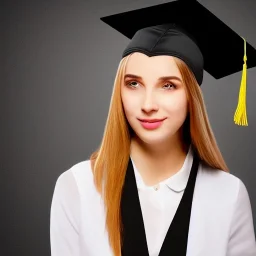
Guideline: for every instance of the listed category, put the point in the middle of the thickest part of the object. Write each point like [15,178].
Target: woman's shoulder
[79,173]
[221,182]
[78,170]
[81,169]
[217,174]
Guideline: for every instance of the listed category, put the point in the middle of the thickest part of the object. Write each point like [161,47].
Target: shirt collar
[178,181]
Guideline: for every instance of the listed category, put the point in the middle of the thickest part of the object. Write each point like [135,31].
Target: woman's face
[147,95]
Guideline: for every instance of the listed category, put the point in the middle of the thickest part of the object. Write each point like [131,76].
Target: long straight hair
[109,162]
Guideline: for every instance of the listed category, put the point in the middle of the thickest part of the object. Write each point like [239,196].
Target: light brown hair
[110,160]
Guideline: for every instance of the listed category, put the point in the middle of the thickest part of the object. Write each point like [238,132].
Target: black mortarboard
[189,31]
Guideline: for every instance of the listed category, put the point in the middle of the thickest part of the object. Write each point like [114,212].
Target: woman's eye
[132,83]
[172,86]
[169,85]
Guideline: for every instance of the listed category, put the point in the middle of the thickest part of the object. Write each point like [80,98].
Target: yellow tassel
[240,117]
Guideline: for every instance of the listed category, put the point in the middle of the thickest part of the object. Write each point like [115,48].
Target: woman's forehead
[143,65]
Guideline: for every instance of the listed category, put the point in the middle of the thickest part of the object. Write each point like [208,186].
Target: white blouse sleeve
[242,237]
[64,217]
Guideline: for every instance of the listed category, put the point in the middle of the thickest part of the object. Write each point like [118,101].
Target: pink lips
[151,125]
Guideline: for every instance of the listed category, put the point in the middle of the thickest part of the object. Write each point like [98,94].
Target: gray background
[59,64]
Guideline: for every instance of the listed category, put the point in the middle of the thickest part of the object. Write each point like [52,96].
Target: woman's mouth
[151,124]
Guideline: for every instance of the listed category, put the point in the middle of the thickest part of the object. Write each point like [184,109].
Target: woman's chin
[154,138]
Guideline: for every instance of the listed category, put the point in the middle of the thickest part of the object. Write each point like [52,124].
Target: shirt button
[156,187]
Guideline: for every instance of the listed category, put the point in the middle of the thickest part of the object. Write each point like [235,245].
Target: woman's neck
[156,163]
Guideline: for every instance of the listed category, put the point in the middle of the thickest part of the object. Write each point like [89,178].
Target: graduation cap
[189,31]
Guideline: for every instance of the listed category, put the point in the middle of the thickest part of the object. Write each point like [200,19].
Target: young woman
[158,184]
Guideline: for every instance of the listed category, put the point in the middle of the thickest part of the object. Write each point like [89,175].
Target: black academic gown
[134,236]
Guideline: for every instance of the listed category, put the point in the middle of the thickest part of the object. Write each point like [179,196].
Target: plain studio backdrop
[58,67]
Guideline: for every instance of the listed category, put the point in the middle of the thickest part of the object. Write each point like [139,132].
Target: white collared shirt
[221,221]
[159,206]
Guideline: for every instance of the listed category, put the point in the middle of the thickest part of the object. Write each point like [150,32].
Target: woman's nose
[149,102]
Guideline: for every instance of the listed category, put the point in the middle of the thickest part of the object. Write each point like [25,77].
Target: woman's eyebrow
[163,78]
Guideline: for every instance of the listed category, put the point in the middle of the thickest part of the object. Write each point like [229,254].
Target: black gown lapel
[134,236]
